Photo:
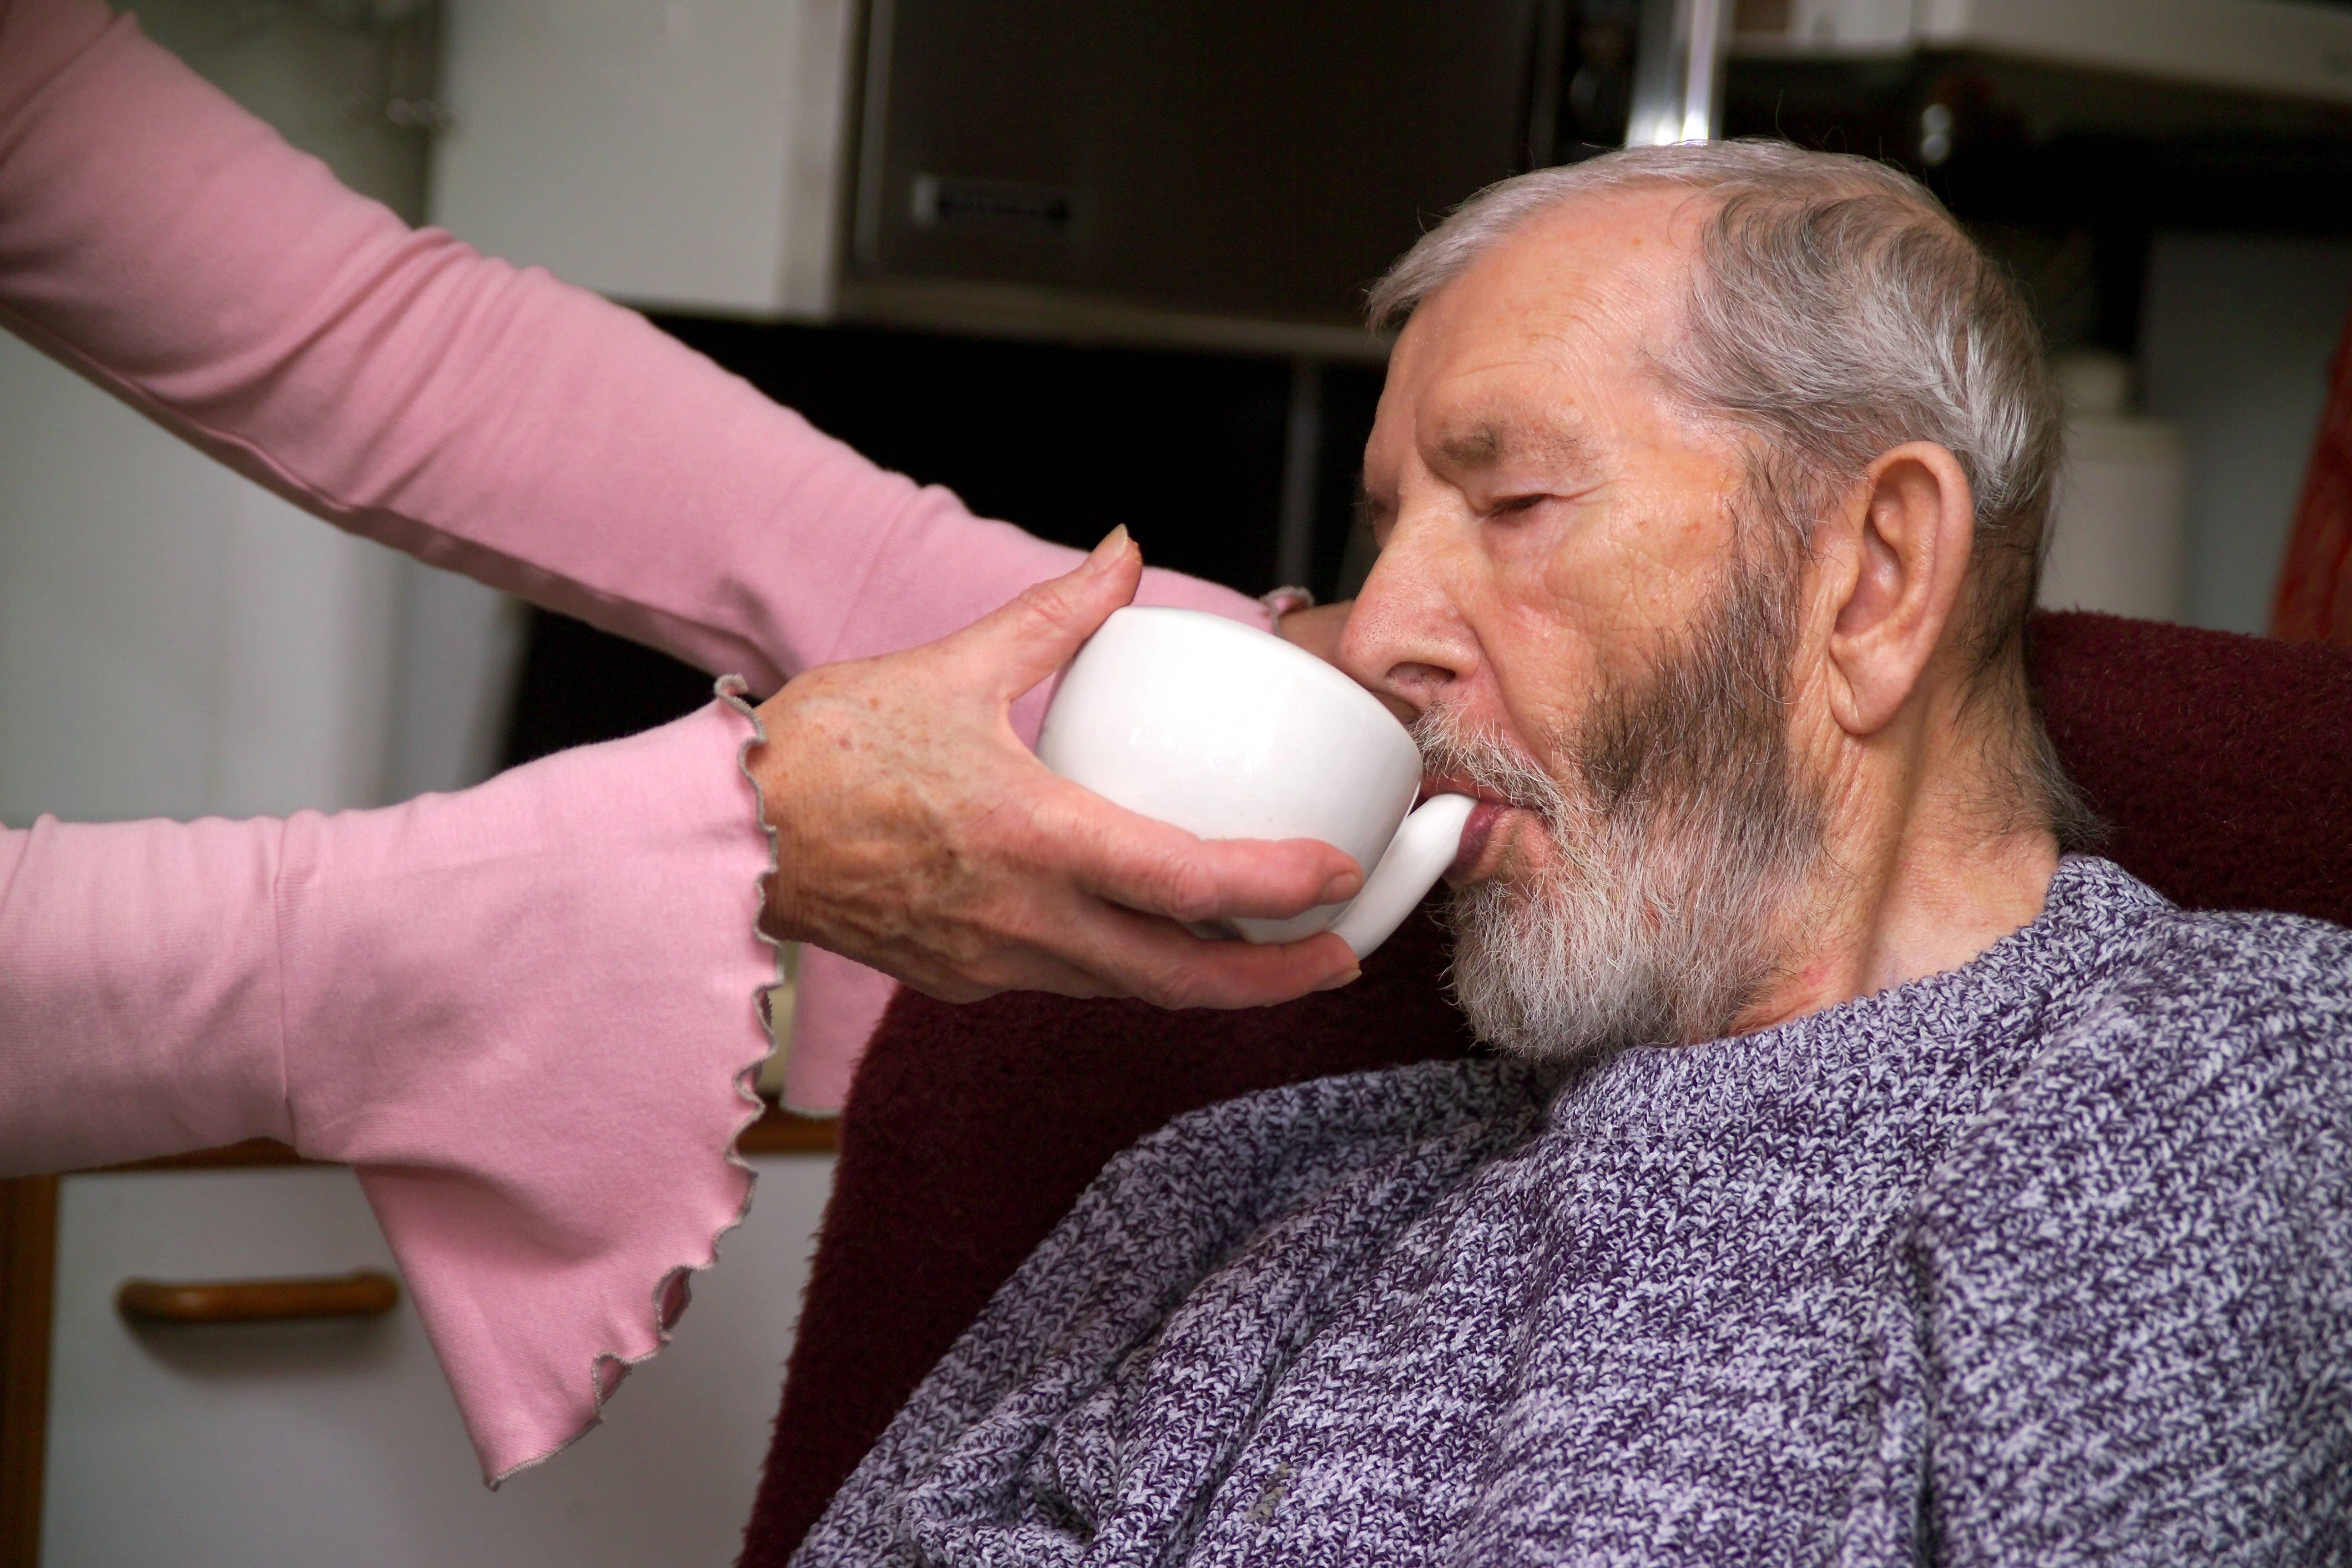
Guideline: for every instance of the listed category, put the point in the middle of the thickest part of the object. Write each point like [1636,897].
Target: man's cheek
[1586,570]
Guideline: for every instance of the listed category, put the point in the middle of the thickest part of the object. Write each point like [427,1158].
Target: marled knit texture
[2047,1259]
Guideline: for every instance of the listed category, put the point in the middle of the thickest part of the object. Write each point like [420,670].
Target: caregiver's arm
[175,250]
[538,1094]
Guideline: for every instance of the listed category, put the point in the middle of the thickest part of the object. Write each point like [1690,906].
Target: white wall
[177,642]
[2235,341]
[460,649]
[174,641]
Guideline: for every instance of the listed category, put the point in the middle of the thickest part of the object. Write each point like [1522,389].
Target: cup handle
[1424,846]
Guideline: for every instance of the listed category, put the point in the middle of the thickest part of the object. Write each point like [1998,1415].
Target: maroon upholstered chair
[2224,764]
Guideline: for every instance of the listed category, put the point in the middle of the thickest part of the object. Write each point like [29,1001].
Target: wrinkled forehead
[1550,325]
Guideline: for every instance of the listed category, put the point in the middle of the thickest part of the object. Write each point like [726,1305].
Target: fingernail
[1345,885]
[1108,551]
[1338,980]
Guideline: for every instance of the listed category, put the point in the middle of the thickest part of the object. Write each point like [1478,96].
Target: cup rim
[1213,625]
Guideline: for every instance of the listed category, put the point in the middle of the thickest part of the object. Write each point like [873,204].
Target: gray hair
[1836,311]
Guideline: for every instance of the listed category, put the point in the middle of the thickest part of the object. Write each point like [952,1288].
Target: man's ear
[1904,554]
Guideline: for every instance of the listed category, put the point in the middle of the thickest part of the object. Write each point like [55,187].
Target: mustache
[1451,747]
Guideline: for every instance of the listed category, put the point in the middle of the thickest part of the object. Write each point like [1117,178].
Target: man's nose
[1406,640]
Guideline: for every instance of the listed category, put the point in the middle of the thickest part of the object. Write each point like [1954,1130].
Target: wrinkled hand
[917,835]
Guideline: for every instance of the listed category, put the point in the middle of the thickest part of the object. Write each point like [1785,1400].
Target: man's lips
[1483,817]
[1474,834]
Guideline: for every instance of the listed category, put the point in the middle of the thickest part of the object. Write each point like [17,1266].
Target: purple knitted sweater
[2044,1259]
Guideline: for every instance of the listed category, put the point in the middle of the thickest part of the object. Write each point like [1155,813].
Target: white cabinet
[339,1442]
[688,154]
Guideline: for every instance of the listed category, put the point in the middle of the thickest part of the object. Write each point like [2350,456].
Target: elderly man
[1860,1175]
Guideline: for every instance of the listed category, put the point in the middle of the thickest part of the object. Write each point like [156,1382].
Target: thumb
[1036,634]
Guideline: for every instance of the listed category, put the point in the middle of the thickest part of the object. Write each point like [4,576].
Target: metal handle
[1678,65]
[363,1293]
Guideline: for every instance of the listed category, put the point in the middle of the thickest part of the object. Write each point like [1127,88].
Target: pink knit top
[526,1013]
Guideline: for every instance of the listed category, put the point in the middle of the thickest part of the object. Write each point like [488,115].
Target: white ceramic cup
[1231,733]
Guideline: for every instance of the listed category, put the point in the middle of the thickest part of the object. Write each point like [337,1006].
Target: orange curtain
[2315,592]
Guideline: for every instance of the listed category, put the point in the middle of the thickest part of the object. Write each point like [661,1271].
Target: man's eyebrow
[1485,443]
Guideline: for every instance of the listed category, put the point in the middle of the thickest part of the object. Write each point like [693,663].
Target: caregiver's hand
[916,834]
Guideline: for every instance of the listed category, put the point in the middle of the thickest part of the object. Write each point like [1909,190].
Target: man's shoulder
[2141,1253]
[2227,982]
[2211,1041]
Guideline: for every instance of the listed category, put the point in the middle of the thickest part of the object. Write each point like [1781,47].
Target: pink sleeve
[175,250]
[537,1096]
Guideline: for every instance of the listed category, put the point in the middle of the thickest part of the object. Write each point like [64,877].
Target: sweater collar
[2002,999]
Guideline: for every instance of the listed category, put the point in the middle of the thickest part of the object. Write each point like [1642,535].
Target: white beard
[1681,847]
